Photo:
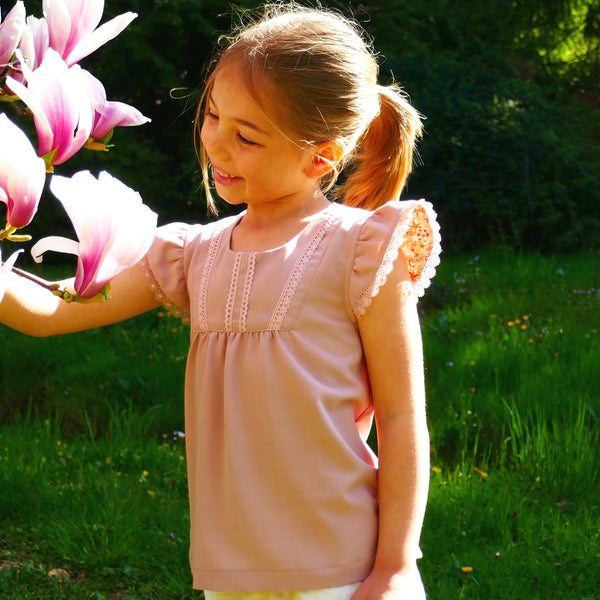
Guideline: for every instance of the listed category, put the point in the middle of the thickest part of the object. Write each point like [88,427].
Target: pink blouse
[282,483]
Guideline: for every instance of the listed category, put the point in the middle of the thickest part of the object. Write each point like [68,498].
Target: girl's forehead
[232,91]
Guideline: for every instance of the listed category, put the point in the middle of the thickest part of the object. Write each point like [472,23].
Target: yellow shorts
[338,593]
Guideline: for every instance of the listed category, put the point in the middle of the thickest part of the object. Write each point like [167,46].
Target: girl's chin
[230,199]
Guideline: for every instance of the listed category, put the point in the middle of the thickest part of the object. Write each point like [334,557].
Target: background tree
[509,88]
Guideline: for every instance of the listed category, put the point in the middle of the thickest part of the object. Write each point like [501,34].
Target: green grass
[92,478]
[89,378]
[512,347]
[110,510]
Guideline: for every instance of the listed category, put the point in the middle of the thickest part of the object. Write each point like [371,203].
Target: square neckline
[317,220]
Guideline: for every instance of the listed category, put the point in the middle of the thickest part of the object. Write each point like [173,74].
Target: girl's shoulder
[408,227]
[181,234]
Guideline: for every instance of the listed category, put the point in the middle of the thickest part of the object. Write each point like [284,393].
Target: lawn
[92,467]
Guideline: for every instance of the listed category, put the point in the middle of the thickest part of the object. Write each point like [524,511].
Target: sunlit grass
[92,474]
[111,511]
[514,401]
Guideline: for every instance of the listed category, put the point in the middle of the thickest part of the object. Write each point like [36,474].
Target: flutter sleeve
[408,227]
[165,270]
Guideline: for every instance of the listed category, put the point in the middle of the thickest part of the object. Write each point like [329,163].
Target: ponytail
[383,158]
[314,74]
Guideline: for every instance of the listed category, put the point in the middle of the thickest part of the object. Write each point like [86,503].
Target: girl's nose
[213,141]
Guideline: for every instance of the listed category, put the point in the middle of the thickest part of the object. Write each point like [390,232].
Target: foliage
[510,91]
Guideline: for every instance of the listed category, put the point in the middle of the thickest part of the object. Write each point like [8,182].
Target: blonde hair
[315,76]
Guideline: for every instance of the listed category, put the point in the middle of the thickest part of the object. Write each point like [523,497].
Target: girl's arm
[391,337]
[31,309]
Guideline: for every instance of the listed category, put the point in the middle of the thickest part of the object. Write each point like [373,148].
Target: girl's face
[252,162]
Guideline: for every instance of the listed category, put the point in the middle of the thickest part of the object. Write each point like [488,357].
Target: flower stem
[52,287]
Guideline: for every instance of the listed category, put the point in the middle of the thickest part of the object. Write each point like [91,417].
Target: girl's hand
[397,585]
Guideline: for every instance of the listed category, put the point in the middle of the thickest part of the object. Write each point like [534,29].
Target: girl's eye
[211,115]
[245,141]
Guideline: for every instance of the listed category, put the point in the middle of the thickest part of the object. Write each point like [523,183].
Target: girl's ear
[325,157]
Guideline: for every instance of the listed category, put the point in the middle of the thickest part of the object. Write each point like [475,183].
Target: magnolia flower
[22,175]
[72,26]
[34,43]
[10,32]
[60,105]
[5,269]
[114,228]
[107,114]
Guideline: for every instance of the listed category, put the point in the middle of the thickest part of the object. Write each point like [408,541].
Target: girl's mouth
[223,178]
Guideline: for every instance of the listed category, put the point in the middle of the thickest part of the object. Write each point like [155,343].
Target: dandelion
[523,327]
[466,570]
[510,323]
[108,460]
[151,493]
[436,469]
[145,473]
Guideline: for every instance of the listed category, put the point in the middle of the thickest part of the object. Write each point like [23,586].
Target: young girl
[303,320]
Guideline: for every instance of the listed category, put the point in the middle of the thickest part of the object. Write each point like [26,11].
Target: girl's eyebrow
[244,122]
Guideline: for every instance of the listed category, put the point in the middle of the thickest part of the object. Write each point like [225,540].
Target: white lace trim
[291,285]
[233,284]
[387,264]
[247,290]
[159,294]
[211,255]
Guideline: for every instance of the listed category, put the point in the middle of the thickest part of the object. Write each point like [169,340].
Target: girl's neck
[266,227]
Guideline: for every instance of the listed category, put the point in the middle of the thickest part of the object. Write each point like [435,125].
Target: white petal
[56,244]
[5,268]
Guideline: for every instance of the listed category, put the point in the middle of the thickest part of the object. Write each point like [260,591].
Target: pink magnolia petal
[99,37]
[114,228]
[117,114]
[58,18]
[60,104]
[42,125]
[92,254]
[94,87]
[22,174]
[85,17]
[10,31]
[108,115]
[34,42]
[25,190]
[77,194]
